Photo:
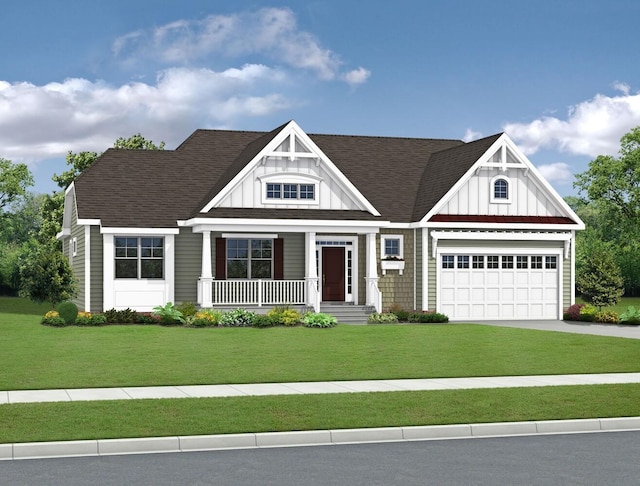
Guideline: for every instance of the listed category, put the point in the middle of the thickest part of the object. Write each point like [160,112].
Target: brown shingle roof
[401,177]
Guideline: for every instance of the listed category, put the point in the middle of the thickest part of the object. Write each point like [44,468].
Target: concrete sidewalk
[299,388]
[103,447]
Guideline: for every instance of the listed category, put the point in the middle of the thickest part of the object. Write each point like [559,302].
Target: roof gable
[276,151]
[529,194]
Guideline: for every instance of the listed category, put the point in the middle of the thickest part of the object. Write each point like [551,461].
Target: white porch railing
[258,292]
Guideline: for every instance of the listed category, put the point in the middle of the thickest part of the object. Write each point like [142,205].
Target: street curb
[153,445]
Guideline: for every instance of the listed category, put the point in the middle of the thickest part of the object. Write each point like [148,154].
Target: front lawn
[620,307]
[39,357]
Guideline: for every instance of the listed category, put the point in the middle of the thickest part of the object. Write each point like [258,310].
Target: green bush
[402,315]
[83,319]
[168,314]
[68,311]
[285,316]
[588,313]
[98,320]
[428,318]
[630,316]
[237,318]
[607,317]
[262,320]
[52,318]
[187,309]
[145,318]
[382,318]
[320,319]
[123,316]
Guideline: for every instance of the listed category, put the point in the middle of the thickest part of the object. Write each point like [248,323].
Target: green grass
[39,357]
[157,418]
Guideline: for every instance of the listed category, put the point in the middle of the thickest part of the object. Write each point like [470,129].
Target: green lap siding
[188,265]
[97,282]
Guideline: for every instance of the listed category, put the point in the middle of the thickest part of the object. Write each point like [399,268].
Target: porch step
[348,313]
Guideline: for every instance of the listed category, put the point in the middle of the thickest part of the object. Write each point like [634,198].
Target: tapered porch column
[205,295]
[311,271]
[374,296]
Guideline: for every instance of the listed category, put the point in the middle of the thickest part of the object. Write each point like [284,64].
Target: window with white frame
[391,247]
[285,191]
[500,190]
[139,257]
[249,258]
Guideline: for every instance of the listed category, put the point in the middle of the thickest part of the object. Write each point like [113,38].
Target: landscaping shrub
[98,320]
[402,315]
[588,313]
[262,320]
[83,319]
[237,318]
[630,316]
[428,318]
[68,311]
[607,317]
[146,318]
[124,316]
[382,318]
[285,316]
[187,309]
[204,318]
[168,314]
[572,313]
[320,319]
[52,318]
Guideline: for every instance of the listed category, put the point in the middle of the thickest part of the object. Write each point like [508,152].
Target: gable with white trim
[520,190]
[291,172]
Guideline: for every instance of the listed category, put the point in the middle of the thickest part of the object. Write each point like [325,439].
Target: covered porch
[329,267]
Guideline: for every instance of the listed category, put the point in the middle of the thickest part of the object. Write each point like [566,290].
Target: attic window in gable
[290,188]
[500,190]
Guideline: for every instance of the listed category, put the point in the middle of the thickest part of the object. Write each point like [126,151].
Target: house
[243,218]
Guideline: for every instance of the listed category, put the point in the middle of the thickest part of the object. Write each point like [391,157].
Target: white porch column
[374,297]
[205,295]
[311,271]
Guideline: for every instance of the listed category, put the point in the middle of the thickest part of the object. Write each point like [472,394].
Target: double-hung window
[139,257]
[249,258]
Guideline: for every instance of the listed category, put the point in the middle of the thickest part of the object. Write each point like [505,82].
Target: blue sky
[562,78]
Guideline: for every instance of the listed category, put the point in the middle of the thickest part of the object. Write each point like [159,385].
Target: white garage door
[498,286]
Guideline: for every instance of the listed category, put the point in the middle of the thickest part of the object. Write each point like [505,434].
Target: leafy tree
[14,181]
[45,276]
[137,142]
[600,281]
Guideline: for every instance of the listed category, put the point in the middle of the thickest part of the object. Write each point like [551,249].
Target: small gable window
[500,190]
[288,191]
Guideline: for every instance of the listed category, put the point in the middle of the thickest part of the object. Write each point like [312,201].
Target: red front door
[332,274]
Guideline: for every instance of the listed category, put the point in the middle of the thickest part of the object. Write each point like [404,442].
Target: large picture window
[139,257]
[249,258]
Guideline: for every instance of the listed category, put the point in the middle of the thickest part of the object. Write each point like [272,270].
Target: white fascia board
[292,126]
[63,233]
[66,210]
[200,225]
[139,231]
[463,180]
[500,235]
[90,222]
[504,226]
[401,225]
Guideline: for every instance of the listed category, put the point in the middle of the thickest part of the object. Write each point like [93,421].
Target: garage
[522,285]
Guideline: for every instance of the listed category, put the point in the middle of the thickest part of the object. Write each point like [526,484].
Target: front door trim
[350,243]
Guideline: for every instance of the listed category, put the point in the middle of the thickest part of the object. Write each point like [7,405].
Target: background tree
[600,281]
[45,276]
[14,181]
[610,207]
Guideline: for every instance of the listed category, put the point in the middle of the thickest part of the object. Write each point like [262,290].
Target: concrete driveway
[632,332]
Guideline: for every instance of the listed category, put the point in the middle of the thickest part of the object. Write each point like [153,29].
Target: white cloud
[357,76]
[43,122]
[556,172]
[471,135]
[592,128]
[269,32]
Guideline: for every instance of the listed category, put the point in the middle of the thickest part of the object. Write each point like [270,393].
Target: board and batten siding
[97,270]
[248,193]
[188,265]
[527,198]
[397,290]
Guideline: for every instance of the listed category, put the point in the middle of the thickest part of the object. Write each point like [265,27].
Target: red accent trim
[221,259]
[465,218]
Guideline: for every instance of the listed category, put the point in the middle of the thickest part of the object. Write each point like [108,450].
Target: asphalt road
[584,459]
